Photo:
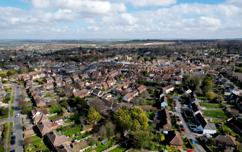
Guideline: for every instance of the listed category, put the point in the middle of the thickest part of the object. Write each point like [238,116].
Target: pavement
[189,134]
[17,127]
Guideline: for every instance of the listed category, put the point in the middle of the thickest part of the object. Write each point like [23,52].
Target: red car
[175,105]
[179,119]
[183,129]
[18,86]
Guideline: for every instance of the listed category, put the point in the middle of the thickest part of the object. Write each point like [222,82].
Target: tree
[138,114]
[212,141]
[206,84]
[141,139]
[22,96]
[210,95]
[123,119]
[136,125]
[162,138]
[2,149]
[97,104]
[92,116]
[4,111]
[192,81]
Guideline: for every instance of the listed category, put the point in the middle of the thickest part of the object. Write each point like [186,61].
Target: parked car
[177,116]
[17,115]
[175,105]
[183,129]
[13,141]
[12,150]
[13,137]
[13,132]
[179,119]
[192,141]
[181,126]
[18,86]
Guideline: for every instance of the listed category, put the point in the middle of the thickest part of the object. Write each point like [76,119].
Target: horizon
[120,19]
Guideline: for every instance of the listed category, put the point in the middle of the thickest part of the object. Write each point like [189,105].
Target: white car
[17,115]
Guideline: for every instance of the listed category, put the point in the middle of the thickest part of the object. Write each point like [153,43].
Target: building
[226,141]
[168,89]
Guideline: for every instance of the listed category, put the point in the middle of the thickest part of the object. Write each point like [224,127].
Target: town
[127,96]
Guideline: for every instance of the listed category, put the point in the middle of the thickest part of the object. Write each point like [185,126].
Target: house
[45,127]
[165,120]
[129,96]
[48,86]
[67,81]
[40,102]
[81,94]
[110,105]
[107,96]
[237,100]
[57,78]
[58,83]
[49,80]
[75,78]
[163,99]
[55,140]
[209,128]
[168,89]
[97,93]
[174,139]
[63,148]
[38,111]
[96,74]
[141,89]
[104,85]
[114,73]
[226,141]
[39,118]
[57,120]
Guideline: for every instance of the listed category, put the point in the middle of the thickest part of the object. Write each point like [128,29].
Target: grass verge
[11,111]
[10,132]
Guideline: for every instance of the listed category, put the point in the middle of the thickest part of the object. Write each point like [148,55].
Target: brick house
[226,141]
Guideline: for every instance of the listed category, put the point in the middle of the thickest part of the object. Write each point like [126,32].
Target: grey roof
[210,126]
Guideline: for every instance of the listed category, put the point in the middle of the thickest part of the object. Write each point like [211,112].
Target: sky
[120,19]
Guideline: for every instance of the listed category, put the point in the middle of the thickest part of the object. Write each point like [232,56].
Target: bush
[190,145]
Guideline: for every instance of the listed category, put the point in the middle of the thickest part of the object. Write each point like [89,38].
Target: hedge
[190,143]
[5,132]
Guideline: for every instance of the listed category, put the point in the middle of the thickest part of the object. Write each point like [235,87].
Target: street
[18,146]
[189,134]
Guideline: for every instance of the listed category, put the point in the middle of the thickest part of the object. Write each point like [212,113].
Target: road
[189,134]
[16,122]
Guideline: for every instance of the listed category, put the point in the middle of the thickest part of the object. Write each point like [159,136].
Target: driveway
[189,134]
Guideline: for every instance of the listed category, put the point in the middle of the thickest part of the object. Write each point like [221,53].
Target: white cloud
[148,3]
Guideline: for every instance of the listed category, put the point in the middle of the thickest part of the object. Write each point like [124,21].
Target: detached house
[67,81]
[169,88]
[81,94]
[58,83]
[48,86]
[97,93]
[49,80]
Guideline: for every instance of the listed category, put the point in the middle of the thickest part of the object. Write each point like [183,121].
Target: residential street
[189,134]
[18,146]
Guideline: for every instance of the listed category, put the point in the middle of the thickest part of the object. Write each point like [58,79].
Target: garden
[215,114]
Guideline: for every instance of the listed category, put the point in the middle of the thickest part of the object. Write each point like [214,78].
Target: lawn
[176,95]
[227,128]
[10,132]
[119,149]
[11,111]
[13,98]
[54,110]
[55,116]
[202,98]
[215,114]
[211,106]
[228,104]
[37,142]
[103,147]
[71,119]
[70,130]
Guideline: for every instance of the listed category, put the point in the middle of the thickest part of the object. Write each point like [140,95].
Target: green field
[211,106]
[215,114]
[13,98]
[11,45]
[11,111]
[10,132]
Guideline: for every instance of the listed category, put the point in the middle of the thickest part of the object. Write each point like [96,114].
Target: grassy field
[119,149]
[13,98]
[211,106]
[70,130]
[71,119]
[10,132]
[176,95]
[215,114]
[6,45]
[11,111]
[54,110]
[55,116]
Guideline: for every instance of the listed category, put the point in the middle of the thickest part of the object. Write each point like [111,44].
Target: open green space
[55,116]
[9,45]
[119,149]
[37,144]
[176,95]
[11,111]
[13,98]
[10,132]
[70,130]
[54,110]
[228,129]
[211,106]
[102,147]
[215,114]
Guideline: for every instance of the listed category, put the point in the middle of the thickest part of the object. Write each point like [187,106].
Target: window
[227,143]
[220,145]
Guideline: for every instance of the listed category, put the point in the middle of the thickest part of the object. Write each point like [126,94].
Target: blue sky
[124,19]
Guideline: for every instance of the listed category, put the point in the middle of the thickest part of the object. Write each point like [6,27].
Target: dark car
[13,141]
[192,141]
[13,137]
[12,150]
